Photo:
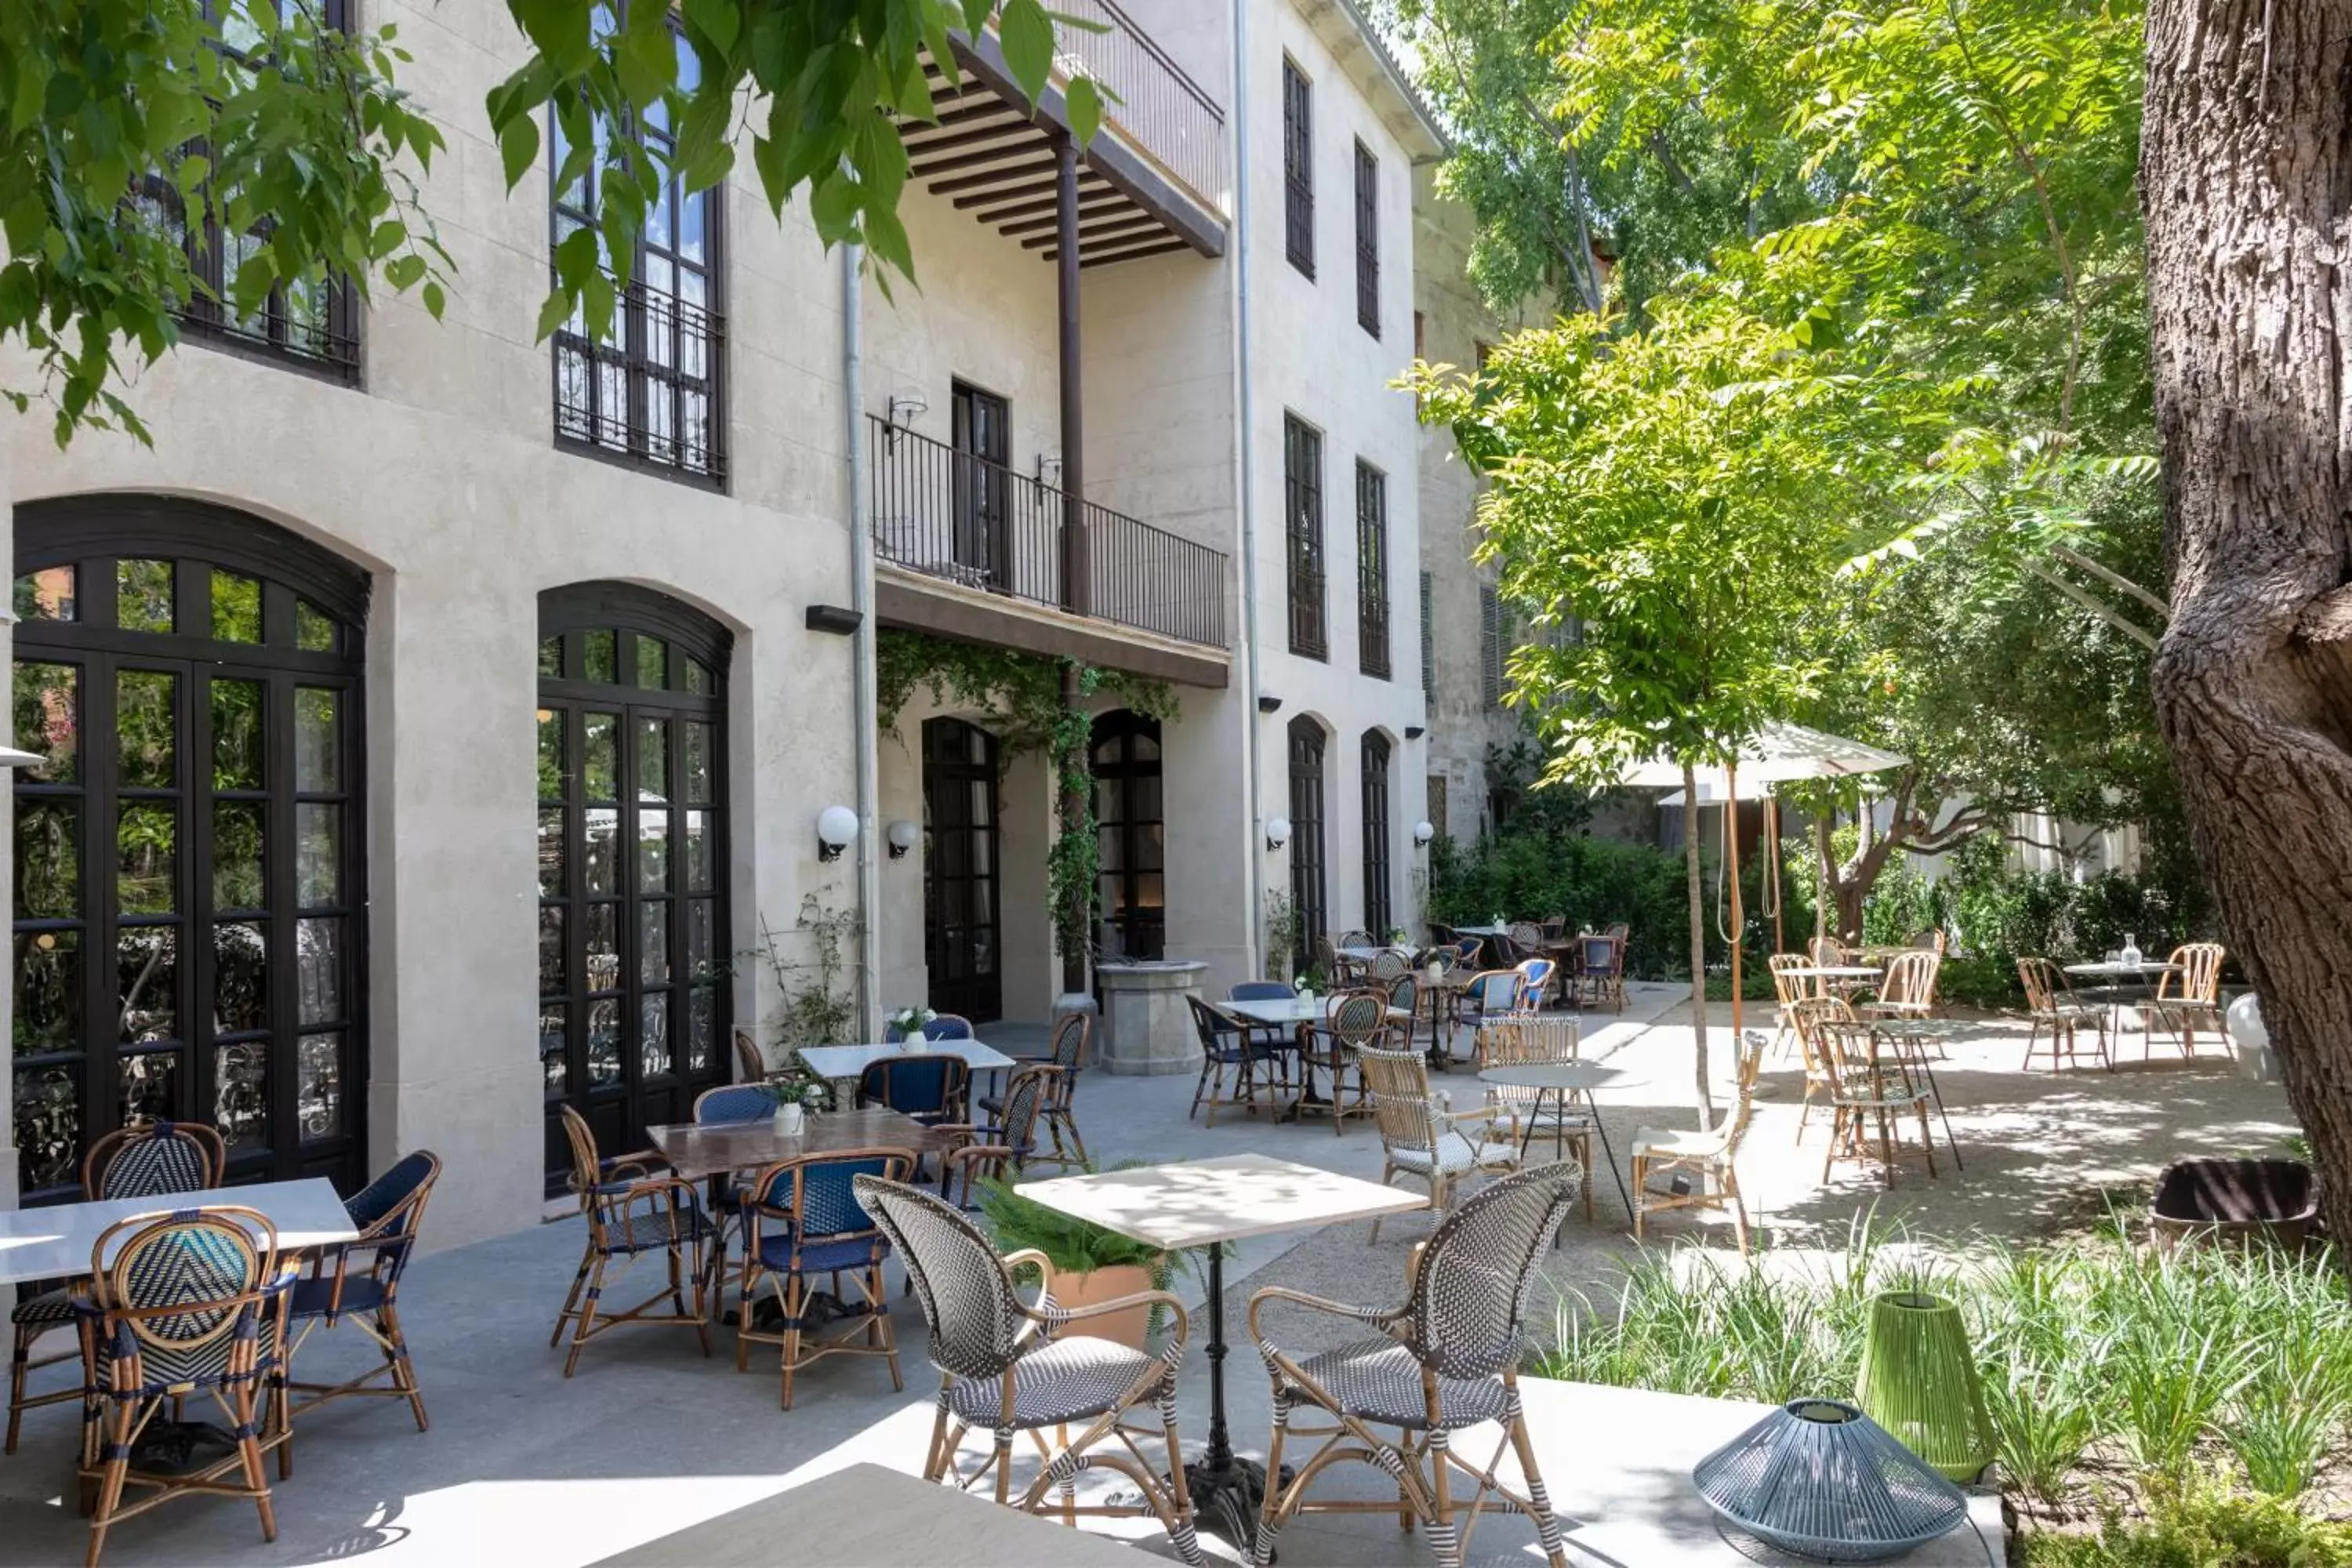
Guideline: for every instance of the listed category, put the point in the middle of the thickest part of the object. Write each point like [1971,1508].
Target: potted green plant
[1089,1264]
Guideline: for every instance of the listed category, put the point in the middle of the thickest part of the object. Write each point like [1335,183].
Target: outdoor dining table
[2128,986]
[851,1062]
[1911,1036]
[1302,1014]
[705,1149]
[1206,1204]
[1564,1080]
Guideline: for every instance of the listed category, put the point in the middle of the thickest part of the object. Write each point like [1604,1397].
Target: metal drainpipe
[1251,765]
[863,721]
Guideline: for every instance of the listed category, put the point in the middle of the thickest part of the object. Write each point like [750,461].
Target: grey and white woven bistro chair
[1013,1366]
[1444,1360]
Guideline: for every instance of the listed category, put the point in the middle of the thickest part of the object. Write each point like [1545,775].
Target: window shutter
[1428,635]
[1490,645]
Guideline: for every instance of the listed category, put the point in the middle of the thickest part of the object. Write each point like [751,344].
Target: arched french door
[188,913]
[1129,828]
[960,870]
[633,930]
[1306,892]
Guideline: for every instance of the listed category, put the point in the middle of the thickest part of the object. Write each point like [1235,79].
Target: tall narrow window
[1367,240]
[649,391]
[1490,646]
[1130,843]
[1302,488]
[191,893]
[1428,633]
[1306,900]
[1436,798]
[1298,168]
[1376,835]
[635,946]
[313,324]
[1372,570]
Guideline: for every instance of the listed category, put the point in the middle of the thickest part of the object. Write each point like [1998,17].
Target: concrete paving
[525,1468]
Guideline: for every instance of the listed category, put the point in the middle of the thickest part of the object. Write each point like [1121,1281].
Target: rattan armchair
[1421,1139]
[1002,1146]
[359,1281]
[1444,1360]
[801,1220]
[1231,1052]
[1537,1040]
[2052,1008]
[146,1159]
[2189,994]
[191,1304]
[1872,1090]
[1600,971]
[1010,1367]
[1709,1156]
[1066,1051]
[634,1212]
[1351,1021]
[1907,990]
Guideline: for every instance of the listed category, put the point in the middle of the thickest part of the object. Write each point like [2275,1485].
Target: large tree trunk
[1697,886]
[2246,181]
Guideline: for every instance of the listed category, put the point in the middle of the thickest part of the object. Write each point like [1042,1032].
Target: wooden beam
[1095,199]
[1115,226]
[1027,174]
[996,154]
[1090,184]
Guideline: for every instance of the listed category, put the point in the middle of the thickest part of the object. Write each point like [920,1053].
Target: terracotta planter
[1131,1328]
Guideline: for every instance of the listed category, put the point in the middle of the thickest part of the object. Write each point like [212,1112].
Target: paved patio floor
[524,1469]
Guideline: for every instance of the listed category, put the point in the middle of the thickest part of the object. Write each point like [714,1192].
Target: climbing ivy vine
[1019,699]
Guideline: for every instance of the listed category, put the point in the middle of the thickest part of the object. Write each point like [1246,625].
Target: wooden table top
[716,1148]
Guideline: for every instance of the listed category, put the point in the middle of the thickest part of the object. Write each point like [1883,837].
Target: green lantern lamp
[1918,1380]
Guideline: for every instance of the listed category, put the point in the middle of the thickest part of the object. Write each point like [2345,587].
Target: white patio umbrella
[1777,752]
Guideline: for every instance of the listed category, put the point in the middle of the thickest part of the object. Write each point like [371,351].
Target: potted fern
[1089,1264]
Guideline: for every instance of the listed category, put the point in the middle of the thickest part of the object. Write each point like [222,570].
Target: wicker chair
[1066,1051]
[144,1160]
[801,1220]
[1535,981]
[1787,991]
[750,1065]
[2188,996]
[1444,1360]
[1908,988]
[1828,952]
[191,1304]
[1805,1020]
[1873,1090]
[1230,1052]
[633,1212]
[1422,1140]
[931,1087]
[1404,998]
[733,1102]
[1710,1155]
[942,1027]
[1278,1044]
[981,1152]
[1600,972]
[1387,966]
[1010,1367]
[1527,939]
[1492,993]
[1327,959]
[1535,1039]
[360,1282]
[2051,1005]
[1352,1021]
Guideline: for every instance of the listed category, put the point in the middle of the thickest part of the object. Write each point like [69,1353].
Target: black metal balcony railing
[651,392]
[1157,106]
[961,517]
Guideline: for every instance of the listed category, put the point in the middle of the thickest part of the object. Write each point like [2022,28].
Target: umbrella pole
[1731,870]
[1772,869]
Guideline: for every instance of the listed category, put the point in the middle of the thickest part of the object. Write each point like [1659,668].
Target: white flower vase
[1434,973]
[915,1043]
[2131,953]
[792,1117]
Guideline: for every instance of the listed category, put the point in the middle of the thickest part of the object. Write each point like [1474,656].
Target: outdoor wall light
[1268,704]
[1422,832]
[1049,470]
[905,407]
[1278,832]
[1416,732]
[902,834]
[835,827]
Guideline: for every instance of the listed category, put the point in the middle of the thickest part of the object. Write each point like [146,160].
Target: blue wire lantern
[1819,1479]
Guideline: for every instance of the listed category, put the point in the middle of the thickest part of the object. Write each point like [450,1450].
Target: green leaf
[404,272]
[435,302]
[1084,106]
[1022,27]
[721,21]
[553,311]
[518,147]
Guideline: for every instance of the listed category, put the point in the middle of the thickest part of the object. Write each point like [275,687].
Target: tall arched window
[190,869]
[633,927]
[1306,899]
[961,949]
[1128,818]
[1376,835]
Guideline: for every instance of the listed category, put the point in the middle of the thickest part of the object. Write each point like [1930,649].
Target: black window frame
[1490,645]
[645,320]
[1302,492]
[1133,840]
[1372,571]
[1298,166]
[1375,757]
[301,587]
[1308,892]
[975,994]
[570,617]
[1367,239]
[1428,632]
[206,318]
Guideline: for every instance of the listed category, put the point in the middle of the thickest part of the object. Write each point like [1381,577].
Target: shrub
[2204,1525]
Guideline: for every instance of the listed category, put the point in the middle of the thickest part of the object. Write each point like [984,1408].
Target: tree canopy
[129,126]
